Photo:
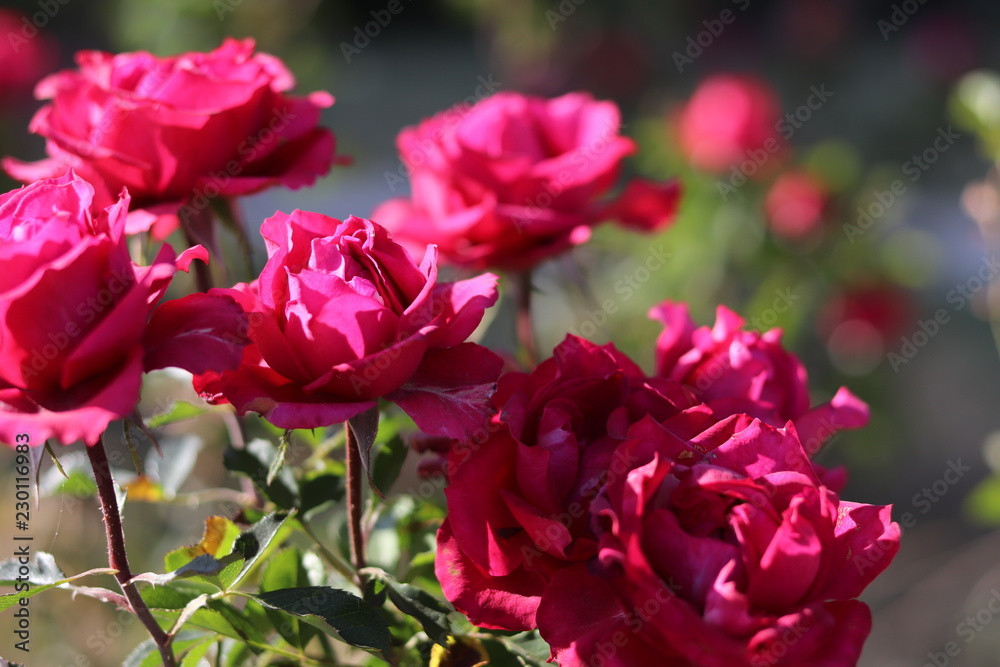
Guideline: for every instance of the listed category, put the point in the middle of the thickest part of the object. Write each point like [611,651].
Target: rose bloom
[726,119]
[719,550]
[796,205]
[735,370]
[179,130]
[77,321]
[518,501]
[515,179]
[342,316]
[525,532]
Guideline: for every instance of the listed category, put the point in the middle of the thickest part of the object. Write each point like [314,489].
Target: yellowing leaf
[143,489]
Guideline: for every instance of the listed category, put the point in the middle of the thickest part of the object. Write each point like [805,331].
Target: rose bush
[178,130]
[77,321]
[719,550]
[735,370]
[342,316]
[516,179]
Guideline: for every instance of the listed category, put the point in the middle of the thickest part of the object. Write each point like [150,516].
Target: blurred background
[839,161]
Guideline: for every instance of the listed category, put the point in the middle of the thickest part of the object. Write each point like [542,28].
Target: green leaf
[431,613]
[44,569]
[251,544]
[194,656]
[235,654]
[354,620]
[147,655]
[318,491]
[285,570]
[254,461]
[388,462]
[179,411]
[167,604]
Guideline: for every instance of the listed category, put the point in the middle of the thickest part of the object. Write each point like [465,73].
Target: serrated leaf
[389,460]
[179,411]
[285,570]
[254,461]
[354,620]
[431,613]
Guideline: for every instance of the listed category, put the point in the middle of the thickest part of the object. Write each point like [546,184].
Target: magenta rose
[179,130]
[518,502]
[719,550]
[516,179]
[342,316]
[734,370]
[77,321]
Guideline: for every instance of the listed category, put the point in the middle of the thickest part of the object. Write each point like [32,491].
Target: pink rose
[342,316]
[179,130]
[734,370]
[516,179]
[77,321]
[796,205]
[518,502]
[721,550]
[730,120]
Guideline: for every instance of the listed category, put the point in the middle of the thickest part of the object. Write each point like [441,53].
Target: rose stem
[117,557]
[525,335]
[354,474]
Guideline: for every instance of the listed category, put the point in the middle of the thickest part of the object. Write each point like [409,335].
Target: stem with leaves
[117,557]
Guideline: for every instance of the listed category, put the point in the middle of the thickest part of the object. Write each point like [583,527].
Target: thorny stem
[117,557]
